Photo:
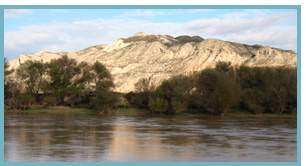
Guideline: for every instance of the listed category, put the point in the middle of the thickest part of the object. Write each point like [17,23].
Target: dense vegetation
[61,82]
[222,89]
[216,91]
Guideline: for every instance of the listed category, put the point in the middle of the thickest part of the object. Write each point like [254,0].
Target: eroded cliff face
[160,57]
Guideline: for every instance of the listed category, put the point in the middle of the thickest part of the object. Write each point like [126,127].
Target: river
[146,138]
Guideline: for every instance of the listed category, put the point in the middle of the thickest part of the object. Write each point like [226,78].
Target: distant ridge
[163,56]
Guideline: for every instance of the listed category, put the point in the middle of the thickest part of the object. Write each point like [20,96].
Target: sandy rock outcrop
[162,56]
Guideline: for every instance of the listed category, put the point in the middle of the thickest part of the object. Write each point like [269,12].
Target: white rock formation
[163,56]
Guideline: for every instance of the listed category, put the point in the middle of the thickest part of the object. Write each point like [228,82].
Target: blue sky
[28,31]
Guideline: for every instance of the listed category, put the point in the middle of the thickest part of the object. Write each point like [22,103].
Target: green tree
[267,89]
[104,98]
[217,92]
[10,87]
[280,89]
[101,75]
[32,74]
[158,104]
[7,80]
[141,97]
[174,92]
[63,73]
[81,86]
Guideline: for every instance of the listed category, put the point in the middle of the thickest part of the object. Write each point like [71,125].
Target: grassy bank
[51,110]
[77,111]
[237,114]
[130,111]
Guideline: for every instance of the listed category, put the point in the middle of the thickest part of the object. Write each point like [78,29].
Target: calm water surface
[124,138]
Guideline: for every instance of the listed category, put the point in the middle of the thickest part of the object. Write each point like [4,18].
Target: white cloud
[10,13]
[235,23]
[264,29]
[58,36]
[75,35]
[163,12]
[142,13]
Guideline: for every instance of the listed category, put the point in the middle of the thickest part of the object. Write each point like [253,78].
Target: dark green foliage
[172,94]
[62,73]
[11,92]
[79,92]
[268,89]
[23,101]
[217,92]
[147,38]
[101,74]
[49,100]
[253,100]
[185,39]
[65,82]
[61,82]
[32,73]
[14,99]
[7,73]
[224,88]
[138,100]
[158,104]
[104,98]
[11,88]
[141,97]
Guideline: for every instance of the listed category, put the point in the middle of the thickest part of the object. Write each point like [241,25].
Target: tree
[14,99]
[32,74]
[10,88]
[172,93]
[104,97]
[79,93]
[102,76]
[268,89]
[216,91]
[158,104]
[62,73]
[280,89]
[141,97]
[7,81]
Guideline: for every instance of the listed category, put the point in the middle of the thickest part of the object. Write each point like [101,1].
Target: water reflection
[176,138]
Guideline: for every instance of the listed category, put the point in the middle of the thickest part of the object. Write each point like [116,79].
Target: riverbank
[77,111]
[130,111]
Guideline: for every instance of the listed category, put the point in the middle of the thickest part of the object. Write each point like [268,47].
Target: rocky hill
[159,57]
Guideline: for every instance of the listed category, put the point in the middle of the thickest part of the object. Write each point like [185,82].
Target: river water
[147,138]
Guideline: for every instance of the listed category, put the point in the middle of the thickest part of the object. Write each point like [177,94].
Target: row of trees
[63,81]
[224,88]
[60,82]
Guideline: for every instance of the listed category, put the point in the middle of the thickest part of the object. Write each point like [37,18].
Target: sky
[27,31]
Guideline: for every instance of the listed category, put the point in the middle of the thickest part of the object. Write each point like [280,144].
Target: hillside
[162,56]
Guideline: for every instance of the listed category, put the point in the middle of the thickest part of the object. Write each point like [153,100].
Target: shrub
[157,104]
[139,100]
[104,100]
[217,91]
[175,92]
[268,89]
[32,74]
[49,101]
